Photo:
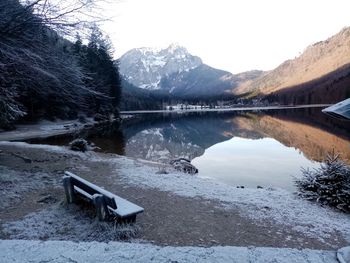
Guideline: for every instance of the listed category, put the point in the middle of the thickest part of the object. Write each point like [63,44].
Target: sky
[233,35]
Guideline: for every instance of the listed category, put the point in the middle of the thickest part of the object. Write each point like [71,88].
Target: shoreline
[228,109]
[46,129]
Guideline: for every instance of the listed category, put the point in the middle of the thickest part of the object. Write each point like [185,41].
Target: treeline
[134,98]
[43,75]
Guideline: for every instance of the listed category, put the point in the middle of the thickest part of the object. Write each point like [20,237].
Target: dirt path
[33,208]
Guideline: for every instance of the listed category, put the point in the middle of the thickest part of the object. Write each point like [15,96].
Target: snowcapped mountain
[175,72]
[145,67]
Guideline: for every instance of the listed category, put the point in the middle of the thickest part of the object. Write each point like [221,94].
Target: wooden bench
[106,203]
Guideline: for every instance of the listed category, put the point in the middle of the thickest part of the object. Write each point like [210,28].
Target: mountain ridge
[321,74]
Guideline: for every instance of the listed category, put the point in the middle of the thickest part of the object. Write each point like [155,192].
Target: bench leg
[101,207]
[69,190]
[132,219]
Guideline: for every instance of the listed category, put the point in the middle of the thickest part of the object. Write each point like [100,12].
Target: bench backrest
[92,189]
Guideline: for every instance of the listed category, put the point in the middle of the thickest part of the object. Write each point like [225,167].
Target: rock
[184,165]
[161,171]
[99,117]
[82,119]
[82,145]
[47,200]
[259,187]
[79,145]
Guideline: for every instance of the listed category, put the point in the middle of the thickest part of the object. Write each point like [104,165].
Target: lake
[253,148]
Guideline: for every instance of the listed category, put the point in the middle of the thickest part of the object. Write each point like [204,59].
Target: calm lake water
[246,148]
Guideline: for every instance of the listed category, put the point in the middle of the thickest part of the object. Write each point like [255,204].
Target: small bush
[329,184]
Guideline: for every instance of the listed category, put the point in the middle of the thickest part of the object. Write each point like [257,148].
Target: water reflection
[251,163]
[250,149]
[239,148]
[172,136]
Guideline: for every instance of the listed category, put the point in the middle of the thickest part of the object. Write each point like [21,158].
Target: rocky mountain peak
[145,67]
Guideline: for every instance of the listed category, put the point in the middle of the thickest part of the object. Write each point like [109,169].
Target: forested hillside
[43,75]
[321,74]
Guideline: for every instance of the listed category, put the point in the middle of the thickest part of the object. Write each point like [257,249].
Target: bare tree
[65,17]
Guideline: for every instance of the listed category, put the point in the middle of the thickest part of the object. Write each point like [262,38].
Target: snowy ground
[65,251]
[259,204]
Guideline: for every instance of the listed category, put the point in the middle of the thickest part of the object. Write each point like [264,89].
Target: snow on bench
[105,202]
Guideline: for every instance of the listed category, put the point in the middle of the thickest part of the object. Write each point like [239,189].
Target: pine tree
[329,185]
[101,72]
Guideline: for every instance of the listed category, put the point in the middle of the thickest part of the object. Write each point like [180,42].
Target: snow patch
[66,251]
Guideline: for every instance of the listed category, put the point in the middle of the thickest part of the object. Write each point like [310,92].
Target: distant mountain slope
[200,81]
[325,59]
[205,81]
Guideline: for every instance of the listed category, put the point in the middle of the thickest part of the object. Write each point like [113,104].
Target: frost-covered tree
[9,108]
[329,184]
[64,16]
[40,74]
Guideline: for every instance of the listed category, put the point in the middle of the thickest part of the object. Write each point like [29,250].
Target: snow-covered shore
[22,251]
[44,129]
[277,205]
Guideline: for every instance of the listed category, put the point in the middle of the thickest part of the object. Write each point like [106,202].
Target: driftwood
[184,165]
[25,159]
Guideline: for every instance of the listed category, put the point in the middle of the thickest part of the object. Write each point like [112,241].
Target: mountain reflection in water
[262,148]
[172,136]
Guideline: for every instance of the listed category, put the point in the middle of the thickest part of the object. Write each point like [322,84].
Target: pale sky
[233,35]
